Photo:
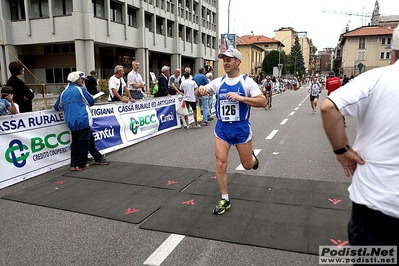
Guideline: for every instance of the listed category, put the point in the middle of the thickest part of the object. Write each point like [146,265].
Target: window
[361,55]
[116,12]
[160,25]
[385,55]
[180,31]
[196,36]
[195,7]
[62,7]
[362,43]
[385,41]
[132,16]
[170,28]
[188,34]
[98,8]
[58,75]
[65,48]
[39,9]
[148,21]
[188,5]
[17,9]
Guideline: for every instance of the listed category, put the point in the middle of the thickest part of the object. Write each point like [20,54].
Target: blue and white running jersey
[233,111]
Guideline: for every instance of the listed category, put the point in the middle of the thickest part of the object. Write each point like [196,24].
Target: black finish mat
[280,213]
[115,201]
[175,178]
[288,214]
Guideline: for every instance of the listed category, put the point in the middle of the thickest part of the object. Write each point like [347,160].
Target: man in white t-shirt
[117,85]
[314,90]
[235,95]
[373,161]
[135,82]
[188,87]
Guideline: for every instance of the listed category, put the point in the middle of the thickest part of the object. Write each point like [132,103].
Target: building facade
[287,37]
[365,48]
[54,37]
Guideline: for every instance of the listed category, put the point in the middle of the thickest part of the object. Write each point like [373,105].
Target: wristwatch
[342,150]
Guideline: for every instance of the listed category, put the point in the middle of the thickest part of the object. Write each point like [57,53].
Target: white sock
[226,197]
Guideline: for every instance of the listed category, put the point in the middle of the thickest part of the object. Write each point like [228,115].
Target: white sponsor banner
[37,142]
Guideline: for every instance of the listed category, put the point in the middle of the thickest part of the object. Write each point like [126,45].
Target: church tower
[375,18]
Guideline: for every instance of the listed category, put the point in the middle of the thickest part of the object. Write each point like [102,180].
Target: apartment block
[54,37]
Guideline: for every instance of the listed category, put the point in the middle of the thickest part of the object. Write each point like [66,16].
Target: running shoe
[82,168]
[103,161]
[222,206]
[256,165]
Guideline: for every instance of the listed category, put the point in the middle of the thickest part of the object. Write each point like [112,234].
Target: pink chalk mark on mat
[189,202]
[339,243]
[131,210]
[335,201]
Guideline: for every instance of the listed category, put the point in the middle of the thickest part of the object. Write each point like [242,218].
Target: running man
[314,91]
[235,94]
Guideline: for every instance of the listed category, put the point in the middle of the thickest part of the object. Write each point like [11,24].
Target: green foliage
[271,60]
[59,89]
[337,65]
[296,60]
[37,89]
[102,85]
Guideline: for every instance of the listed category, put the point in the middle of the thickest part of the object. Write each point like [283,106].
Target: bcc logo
[37,144]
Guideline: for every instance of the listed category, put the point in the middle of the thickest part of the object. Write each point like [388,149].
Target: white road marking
[240,167]
[300,104]
[292,113]
[271,135]
[284,121]
[164,250]
[296,108]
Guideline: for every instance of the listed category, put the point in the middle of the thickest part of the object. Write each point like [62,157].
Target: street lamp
[228,18]
[279,52]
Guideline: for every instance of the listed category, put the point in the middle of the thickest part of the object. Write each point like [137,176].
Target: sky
[263,17]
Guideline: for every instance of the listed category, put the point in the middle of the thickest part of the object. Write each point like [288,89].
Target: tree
[271,60]
[296,60]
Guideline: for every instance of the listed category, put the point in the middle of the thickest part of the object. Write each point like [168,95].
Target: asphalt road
[292,144]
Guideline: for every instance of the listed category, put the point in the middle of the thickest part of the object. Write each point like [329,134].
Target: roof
[393,18]
[366,32]
[255,39]
[369,31]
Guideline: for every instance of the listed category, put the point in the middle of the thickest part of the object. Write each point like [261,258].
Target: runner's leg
[245,153]
[221,152]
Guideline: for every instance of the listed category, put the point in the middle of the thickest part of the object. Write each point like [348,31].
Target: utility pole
[228,18]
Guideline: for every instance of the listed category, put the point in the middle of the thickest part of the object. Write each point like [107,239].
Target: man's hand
[349,161]
[203,91]
[233,96]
